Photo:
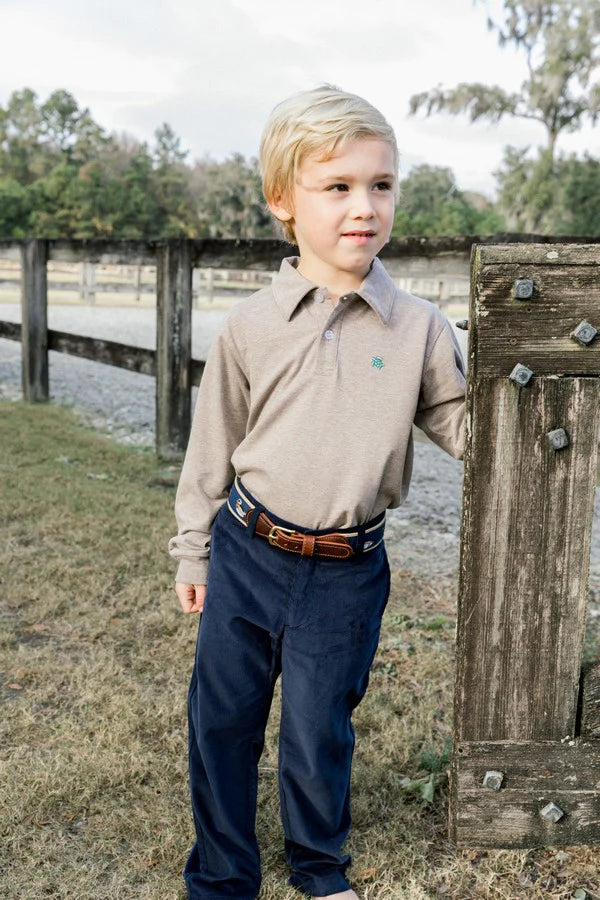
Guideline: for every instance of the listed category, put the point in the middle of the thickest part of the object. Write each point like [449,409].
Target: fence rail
[175,260]
[86,281]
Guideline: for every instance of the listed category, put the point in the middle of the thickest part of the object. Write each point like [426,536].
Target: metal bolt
[524,289]
[558,438]
[552,813]
[584,333]
[493,780]
[521,374]
[463,324]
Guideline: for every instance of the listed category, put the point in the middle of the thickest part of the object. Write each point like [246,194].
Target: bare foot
[344,895]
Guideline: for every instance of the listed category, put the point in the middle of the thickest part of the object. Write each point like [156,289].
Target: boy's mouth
[359,237]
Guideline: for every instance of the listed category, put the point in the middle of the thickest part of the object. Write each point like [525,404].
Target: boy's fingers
[191,596]
[200,591]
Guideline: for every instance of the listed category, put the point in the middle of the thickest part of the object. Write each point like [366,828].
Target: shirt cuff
[192,571]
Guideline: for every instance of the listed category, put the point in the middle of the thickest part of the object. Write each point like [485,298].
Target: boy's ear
[280,208]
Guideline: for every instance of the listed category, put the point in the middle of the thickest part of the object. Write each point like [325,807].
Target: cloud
[215,70]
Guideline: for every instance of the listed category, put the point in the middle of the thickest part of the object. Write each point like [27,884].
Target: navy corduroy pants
[316,623]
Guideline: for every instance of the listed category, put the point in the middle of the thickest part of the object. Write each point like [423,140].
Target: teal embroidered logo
[377,362]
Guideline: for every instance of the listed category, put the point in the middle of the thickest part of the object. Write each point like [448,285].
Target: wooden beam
[569,252]
[528,496]
[111,353]
[106,252]
[526,529]
[533,775]
[173,347]
[536,332]
[34,315]
[590,701]
[10,330]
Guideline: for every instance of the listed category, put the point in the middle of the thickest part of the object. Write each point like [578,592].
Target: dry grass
[95,662]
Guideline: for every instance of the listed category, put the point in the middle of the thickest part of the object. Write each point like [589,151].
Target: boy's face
[343,210]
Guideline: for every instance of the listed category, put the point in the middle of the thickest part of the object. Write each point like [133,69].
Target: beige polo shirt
[312,404]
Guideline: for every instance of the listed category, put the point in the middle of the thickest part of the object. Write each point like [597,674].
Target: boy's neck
[336,284]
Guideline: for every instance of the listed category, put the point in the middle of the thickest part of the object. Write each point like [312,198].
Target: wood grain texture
[535,774]
[525,546]
[266,253]
[571,252]
[527,519]
[124,356]
[590,700]
[173,347]
[536,332]
[111,353]
[34,316]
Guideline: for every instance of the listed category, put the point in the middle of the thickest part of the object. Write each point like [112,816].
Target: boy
[301,440]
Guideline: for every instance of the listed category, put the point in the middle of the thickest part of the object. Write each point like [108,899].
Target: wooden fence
[88,283]
[526,766]
[175,260]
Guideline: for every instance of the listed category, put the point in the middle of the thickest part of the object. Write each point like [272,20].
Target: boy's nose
[362,206]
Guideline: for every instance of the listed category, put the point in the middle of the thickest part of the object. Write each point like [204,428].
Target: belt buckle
[272,537]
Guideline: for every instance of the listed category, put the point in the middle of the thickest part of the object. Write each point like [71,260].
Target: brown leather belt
[335,545]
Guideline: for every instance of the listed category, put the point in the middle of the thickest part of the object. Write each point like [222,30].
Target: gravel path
[422,534]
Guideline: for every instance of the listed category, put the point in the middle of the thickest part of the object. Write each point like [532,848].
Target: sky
[215,70]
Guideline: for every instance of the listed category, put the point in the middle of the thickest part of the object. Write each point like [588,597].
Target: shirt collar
[290,287]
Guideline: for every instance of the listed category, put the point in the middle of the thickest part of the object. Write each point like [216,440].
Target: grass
[94,665]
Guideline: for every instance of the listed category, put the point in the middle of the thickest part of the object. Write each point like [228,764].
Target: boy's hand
[191,596]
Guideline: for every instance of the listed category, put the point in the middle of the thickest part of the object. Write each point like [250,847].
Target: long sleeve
[218,426]
[441,407]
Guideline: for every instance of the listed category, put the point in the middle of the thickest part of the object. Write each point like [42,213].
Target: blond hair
[315,121]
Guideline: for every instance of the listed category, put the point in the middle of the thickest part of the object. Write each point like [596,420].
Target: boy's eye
[380,186]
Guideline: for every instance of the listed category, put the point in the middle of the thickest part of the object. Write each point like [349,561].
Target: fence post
[526,764]
[34,313]
[173,346]
[137,282]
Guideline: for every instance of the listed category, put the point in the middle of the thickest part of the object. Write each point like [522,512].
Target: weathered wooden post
[173,346]
[526,763]
[34,315]
[137,282]
[87,282]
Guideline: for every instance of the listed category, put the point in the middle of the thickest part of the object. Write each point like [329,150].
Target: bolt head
[552,813]
[584,333]
[492,780]
[558,439]
[521,375]
[524,289]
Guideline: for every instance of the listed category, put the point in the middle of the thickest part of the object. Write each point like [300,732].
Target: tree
[167,148]
[20,133]
[561,40]
[558,197]
[229,200]
[61,176]
[70,132]
[172,179]
[430,203]
[579,208]
[14,208]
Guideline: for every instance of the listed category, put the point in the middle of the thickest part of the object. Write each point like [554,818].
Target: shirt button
[329,335]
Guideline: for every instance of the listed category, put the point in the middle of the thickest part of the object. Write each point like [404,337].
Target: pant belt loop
[360,540]
[254,514]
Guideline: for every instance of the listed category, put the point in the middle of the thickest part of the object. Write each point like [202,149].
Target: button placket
[329,341]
